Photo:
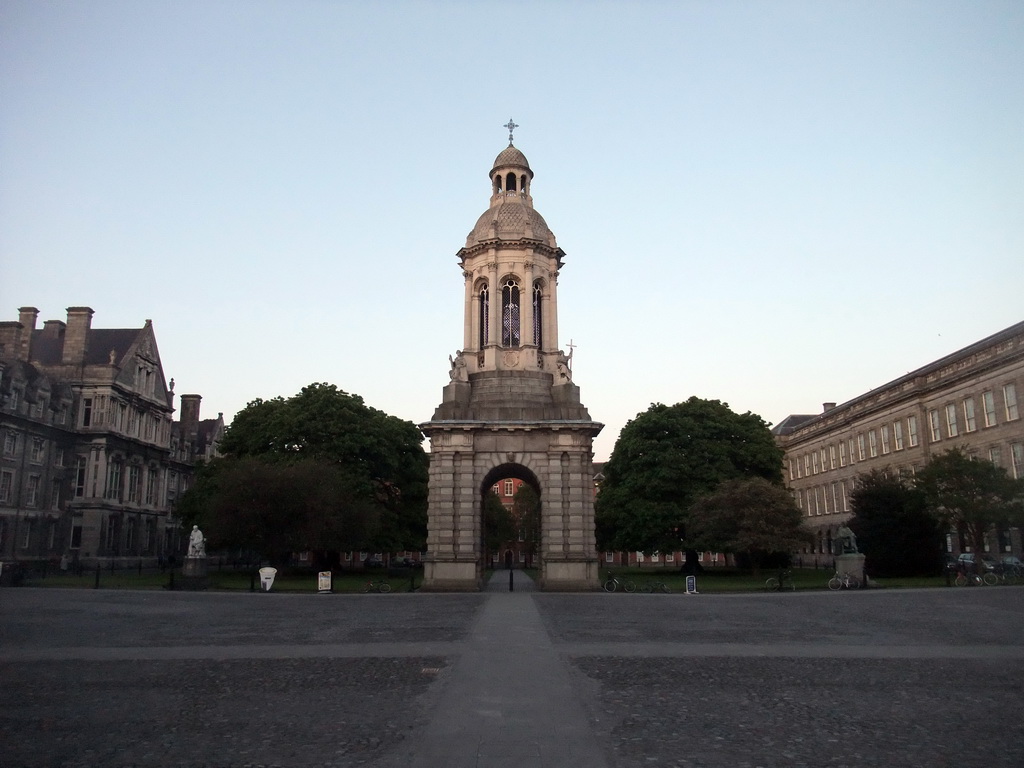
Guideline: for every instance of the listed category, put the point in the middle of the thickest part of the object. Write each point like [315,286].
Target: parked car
[373,562]
[1014,561]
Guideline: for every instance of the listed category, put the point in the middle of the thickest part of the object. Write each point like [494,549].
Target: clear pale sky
[774,204]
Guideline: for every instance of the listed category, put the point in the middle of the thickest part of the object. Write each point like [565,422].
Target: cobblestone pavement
[211,680]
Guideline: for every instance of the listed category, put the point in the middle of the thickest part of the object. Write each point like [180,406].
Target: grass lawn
[711,581]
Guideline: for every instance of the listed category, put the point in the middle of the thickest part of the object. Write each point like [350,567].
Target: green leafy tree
[669,456]
[970,494]
[895,532]
[320,471]
[750,517]
[526,511]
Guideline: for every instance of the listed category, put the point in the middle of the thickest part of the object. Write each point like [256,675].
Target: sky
[772,204]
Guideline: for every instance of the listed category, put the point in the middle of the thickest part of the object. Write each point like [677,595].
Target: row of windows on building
[904,433]
[37,409]
[111,412]
[832,498]
[133,484]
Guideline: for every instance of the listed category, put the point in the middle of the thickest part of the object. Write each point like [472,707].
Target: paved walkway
[509,701]
[511,678]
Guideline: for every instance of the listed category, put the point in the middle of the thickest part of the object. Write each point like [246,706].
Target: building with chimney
[969,399]
[92,460]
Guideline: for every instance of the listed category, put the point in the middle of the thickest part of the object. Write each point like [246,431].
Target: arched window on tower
[538,317]
[510,313]
[510,183]
[485,316]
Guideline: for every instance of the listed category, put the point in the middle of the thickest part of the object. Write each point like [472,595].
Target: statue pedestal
[851,563]
[193,573]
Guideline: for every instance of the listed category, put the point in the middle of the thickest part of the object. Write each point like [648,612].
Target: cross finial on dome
[511,127]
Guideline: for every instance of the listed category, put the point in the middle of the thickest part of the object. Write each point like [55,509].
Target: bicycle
[614,582]
[783,580]
[843,581]
[377,586]
[656,586]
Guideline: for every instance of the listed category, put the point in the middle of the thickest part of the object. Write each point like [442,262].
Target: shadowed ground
[899,678]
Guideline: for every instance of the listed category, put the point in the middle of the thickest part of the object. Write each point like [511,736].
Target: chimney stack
[826,407]
[27,316]
[77,335]
[190,413]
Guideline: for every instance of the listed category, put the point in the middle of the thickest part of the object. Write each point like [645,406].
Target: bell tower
[511,408]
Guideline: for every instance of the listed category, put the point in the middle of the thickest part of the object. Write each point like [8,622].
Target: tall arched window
[538,317]
[485,316]
[510,313]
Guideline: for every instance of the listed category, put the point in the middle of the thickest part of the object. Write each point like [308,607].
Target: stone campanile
[511,408]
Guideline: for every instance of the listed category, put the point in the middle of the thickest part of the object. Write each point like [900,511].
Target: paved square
[156,679]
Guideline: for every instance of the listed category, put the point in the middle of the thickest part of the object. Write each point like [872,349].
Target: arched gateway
[511,408]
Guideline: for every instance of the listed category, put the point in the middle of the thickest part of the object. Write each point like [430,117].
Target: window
[897,434]
[6,486]
[510,313]
[873,443]
[87,412]
[609,557]
[970,423]
[807,465]
[912,430]
[38,450]
[32,491]
[538,298]
[55,495]
[933,420]
[1017,459]
[10,444]
[113,481]
[1010,401]
[60,457]
[80,477]
[988,403]
[814,462]
[860,447]
[885,439]
[835,497]
[831,457]
[823,465]
[76,533]
[842,454]
[951,425]
[850,444]
[995,455]
[846,498]
[151,480]
[485,316]
[509,487]
[792,471]
[134,484]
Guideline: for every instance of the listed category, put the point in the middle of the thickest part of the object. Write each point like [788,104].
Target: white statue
[562,364]
[459,372]
[196,543]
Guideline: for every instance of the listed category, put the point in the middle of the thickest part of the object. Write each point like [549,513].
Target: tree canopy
[970,494]
[895,532]
[750,517]
[320,471]
[669,456]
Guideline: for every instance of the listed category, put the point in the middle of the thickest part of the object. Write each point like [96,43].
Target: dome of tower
[510,156]
[512,220]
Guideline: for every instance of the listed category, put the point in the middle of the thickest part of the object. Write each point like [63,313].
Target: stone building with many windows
[969,399]
[92,461]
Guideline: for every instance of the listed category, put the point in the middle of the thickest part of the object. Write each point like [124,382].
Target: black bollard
[252,581]
[96,585]
[511,574]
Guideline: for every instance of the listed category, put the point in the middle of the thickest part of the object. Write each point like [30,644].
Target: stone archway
[523,549]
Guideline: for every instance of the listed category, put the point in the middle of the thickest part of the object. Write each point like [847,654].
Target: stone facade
[969,399]
[511,409]
[92,459]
